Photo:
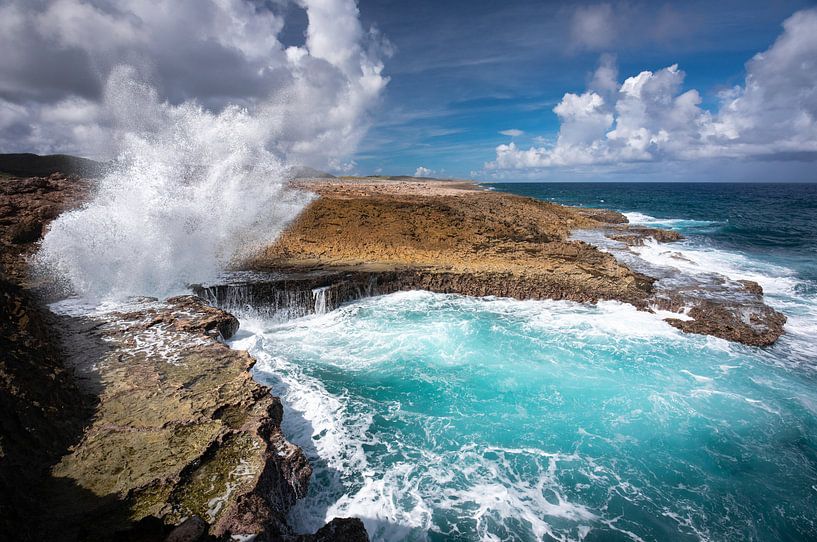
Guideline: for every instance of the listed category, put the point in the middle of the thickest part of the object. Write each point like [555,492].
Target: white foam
[647,220]
[606,319]
[191,192]
[698,378]
[696,260]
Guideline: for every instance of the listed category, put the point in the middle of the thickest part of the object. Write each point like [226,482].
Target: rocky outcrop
[42,410]
[363,236]
[180,429]
[605,216]
[451,237]
[734,311]
[137,424]
[637,235]
[26,207]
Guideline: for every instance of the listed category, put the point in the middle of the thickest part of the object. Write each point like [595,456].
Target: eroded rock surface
[180,427]
[453,237]
[369,235]
[27,206]
[134,424]
[638,235]
[731,310]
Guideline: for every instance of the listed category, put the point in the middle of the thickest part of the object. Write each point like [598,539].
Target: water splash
[191,192]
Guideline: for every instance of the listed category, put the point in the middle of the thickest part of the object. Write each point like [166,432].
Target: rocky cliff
[132,424]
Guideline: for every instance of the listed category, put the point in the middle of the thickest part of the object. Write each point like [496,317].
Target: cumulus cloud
[424,172]
[513,132]
[649,117]
[319,93]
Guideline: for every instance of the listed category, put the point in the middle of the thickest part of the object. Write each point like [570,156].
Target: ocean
[443,417]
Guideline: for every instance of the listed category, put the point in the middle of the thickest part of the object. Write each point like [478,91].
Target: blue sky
[462,72]
[513,90]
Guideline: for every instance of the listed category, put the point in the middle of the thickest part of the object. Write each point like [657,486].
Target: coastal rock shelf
[180,429]
[293,293]
[135,422]
[364,237]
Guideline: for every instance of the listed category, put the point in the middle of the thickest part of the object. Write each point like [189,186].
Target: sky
[513,90]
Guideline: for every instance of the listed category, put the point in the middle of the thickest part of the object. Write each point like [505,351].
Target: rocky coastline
[137,424]
[141,424]
[455,237]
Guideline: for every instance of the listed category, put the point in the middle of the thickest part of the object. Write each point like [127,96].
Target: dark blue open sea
[441,417]
[772,221]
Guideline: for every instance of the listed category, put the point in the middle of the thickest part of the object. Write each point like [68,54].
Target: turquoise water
[441,417]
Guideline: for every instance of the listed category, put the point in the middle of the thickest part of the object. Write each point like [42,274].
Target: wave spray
[190,193]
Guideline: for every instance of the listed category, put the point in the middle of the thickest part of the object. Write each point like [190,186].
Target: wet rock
[606,216]
[337,530]
[26,231]
[193,529]
[636,235]
[734,311]
[755,326]
[752,287]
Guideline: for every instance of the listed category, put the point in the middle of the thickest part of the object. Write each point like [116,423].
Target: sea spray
[191,192]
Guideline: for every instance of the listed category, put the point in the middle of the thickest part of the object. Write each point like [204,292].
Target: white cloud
[593,27]
[649,117]
[424,172]
[319,95]
[344,168]
[513,132]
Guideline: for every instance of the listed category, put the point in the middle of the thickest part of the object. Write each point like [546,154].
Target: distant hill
[305,172]
[34,165]
[404,178]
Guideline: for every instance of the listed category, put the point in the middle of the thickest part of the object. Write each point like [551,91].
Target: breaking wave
[436,417]
[190,192]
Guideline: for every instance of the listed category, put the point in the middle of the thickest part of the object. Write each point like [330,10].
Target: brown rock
[26,231]
[752,287]
[361,237]
[28,205]
[636,235]
[192,529]
[453,239]
[606,216]
[762,327]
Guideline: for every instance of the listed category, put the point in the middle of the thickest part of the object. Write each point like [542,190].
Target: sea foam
[437,416]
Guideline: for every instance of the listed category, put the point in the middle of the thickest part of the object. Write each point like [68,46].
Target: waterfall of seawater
[320,299]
